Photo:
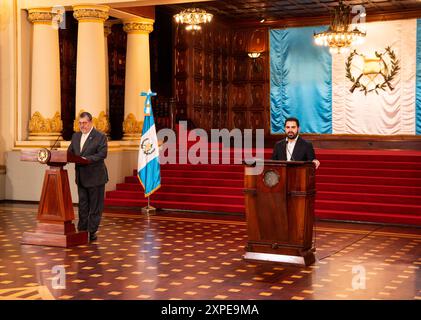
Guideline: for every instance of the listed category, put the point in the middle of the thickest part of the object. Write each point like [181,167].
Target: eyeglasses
[83,122]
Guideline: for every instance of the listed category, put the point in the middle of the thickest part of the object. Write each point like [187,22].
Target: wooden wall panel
[228,89]
[117,43]
[198,92]
[208,64]
[239,69]
[181,88]
[257,95]
[198,63]
[181,65]
[239,96]
[239,42]
[207,93]
[239,119]
[68,53]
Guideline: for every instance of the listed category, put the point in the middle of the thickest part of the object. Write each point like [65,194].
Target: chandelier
[338,37]
[193,17]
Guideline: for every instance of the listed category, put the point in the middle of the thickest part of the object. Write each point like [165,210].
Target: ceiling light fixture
[338,37]
[193,18]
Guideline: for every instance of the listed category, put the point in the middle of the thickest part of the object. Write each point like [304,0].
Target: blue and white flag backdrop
[309,83]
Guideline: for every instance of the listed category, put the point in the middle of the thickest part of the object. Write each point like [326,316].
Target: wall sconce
[254,55]
[257,67]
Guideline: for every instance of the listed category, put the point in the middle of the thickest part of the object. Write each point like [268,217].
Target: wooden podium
[280,211]
[55,211]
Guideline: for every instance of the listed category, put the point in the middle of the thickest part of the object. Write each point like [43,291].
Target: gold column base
[42,128]
[132,136]
[132,128]
[45,136]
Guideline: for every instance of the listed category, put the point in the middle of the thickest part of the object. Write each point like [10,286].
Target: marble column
[45,122]
[138,75]
[91,83]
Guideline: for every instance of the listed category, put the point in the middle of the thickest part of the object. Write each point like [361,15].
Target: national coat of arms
[375,73]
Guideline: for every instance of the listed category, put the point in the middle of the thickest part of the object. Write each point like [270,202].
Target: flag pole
[149,210]
[148,152]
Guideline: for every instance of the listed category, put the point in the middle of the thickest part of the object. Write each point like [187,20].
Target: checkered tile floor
[187,256]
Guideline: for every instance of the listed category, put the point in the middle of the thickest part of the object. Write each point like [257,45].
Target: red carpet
[358,185]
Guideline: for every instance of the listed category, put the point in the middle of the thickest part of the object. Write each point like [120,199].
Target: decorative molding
[41,15]
[141,26]
[101,123]
[132,126]
[90,13]
[40,125]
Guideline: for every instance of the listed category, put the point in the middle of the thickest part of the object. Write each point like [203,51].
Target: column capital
[90,13]
[141,25]
[41,15]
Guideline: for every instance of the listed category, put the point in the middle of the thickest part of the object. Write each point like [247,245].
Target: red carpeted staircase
[359,185]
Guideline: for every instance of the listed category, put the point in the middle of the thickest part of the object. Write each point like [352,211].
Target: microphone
[286,145]
[51,148]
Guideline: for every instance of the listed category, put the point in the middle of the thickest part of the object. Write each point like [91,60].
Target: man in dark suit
[293,147]
[92,145]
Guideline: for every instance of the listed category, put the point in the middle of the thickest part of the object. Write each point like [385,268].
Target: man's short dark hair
[86,114]
[292,119]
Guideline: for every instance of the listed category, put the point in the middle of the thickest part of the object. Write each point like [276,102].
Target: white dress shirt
[84,138]
[290,147]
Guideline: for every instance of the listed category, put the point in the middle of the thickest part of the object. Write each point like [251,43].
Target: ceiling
[273,10]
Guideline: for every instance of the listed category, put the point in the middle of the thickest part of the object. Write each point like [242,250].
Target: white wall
[24,179]
[2,183]
[8,79]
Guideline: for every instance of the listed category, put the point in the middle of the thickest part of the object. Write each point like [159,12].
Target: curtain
[300,80]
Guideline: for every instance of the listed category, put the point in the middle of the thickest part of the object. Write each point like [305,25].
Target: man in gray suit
[91,178]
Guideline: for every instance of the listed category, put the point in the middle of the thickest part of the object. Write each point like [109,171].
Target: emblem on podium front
[271,178]
[44,156]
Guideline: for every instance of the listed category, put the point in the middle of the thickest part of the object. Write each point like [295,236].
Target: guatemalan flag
[148,168]
[307,82]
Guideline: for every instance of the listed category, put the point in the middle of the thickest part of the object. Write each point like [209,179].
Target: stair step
[193,181]
[389,173]
[369,157]
[362,188]
[202,174]
[205,167]
[160,204]
[368,217]
[368,197]
[380,181]
[167,196]
[371,165]
[185,189]
[368,207]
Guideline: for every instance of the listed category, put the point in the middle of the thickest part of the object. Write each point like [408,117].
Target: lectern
[55,211]
[280,211]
